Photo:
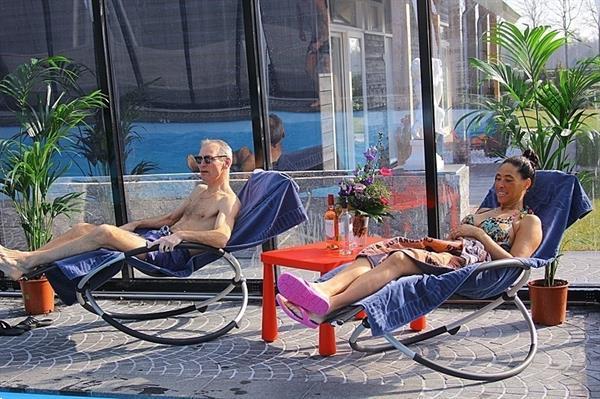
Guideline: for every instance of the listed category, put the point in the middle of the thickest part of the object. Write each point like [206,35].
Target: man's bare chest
[202,209]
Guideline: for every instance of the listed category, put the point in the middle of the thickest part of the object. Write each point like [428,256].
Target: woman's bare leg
[343,279]
[103,236]
[396,265]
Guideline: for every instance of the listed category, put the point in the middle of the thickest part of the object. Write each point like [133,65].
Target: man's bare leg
[78,230]
[15,263]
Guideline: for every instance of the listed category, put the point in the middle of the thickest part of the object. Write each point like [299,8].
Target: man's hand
[166,243]
[131,226]
[466,230]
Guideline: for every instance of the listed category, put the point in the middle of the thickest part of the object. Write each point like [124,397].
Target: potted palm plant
[47,104]
[539,109]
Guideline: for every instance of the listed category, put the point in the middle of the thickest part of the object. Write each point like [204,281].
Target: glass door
[347,58]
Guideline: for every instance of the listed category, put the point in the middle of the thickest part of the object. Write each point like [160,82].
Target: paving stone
[79,352]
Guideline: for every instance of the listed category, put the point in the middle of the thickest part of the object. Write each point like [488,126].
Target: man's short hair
[224,148]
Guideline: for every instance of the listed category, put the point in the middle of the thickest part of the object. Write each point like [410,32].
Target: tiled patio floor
[80,352]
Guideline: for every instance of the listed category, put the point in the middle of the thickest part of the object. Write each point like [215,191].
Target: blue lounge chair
[556,198]
[270,206]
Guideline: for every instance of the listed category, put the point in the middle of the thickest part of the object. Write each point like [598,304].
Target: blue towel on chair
[270,206]
[556,198]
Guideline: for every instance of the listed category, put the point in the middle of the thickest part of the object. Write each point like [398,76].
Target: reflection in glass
[180,77]
[357,98]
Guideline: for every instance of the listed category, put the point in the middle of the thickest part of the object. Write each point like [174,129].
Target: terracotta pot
[38,296]
[548,304]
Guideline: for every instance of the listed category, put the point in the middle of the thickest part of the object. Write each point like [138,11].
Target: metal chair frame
[509,296]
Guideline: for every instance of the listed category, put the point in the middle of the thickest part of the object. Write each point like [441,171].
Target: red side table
[315,257]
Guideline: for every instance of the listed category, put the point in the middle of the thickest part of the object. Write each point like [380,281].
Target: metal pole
[256,83]
[110,114]
[431,183]
[258,97]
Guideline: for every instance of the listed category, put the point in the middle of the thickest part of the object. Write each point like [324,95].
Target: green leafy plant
[47,104]
[535,110]
[550,271]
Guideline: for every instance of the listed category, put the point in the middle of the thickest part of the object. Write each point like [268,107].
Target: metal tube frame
[85,297]
[510,295]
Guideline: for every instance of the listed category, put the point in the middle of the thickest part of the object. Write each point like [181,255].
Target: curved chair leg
[87,300]
[452,328]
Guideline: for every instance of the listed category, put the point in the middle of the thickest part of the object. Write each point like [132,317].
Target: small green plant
[47,106]
[550,271]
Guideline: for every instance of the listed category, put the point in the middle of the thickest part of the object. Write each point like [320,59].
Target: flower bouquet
[367,195]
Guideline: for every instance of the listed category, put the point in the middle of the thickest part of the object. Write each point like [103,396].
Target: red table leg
[327,340]
[269,313]
[418,324]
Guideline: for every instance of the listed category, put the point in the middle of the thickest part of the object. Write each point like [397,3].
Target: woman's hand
[166,243]
[466,230]
[192,164]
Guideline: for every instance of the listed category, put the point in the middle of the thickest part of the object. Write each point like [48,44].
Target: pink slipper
[303,319]
[299,292]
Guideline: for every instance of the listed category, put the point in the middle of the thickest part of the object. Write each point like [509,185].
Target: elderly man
[207,217]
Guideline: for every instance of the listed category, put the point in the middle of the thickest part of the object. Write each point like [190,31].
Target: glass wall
[180,76]
[34,29]
[344,76]
[341,76]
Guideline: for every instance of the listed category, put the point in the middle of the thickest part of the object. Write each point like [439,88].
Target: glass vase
[360,230]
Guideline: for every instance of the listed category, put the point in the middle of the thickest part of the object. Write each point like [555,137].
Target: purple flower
[346,188]
[370,154]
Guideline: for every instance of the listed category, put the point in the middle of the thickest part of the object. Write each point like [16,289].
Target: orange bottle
[331,224]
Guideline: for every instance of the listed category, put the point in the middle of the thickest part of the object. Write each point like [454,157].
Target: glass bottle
[331,223]
[345,223]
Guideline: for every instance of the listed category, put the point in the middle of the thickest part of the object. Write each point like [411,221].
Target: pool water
[168,144]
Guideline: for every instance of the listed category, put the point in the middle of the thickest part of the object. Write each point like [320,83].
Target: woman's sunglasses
[207,159]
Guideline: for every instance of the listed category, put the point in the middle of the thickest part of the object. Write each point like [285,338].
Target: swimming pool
[168,143]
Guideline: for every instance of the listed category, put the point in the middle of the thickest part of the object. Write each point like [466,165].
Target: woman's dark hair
[526,164]
[276,129]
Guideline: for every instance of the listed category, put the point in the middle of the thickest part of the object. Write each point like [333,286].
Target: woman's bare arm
[528,237]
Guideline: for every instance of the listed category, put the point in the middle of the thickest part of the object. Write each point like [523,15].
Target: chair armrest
[516,263]
[183,245]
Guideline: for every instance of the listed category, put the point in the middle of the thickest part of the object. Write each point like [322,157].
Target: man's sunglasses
[207,159]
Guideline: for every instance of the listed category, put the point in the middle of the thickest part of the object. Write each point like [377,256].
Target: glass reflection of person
[244,160]
[317,54]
